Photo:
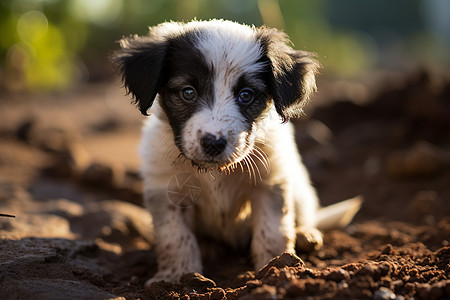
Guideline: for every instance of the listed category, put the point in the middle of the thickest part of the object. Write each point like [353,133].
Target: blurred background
[69,169]
[53,45]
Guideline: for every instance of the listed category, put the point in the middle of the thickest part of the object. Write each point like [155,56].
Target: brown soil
[68,172]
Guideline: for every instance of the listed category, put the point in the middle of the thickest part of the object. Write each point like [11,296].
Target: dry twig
[6,215]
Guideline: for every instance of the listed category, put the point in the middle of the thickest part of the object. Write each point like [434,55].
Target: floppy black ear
[141,61]
[292,79]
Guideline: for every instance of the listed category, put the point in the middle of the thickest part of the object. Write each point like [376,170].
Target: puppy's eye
[188,93]
[246,96]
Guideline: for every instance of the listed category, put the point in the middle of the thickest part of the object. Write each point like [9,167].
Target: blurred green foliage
[48,45]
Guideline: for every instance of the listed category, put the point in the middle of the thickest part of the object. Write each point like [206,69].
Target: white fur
[223,208]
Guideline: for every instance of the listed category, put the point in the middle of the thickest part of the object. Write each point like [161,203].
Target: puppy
[221,95]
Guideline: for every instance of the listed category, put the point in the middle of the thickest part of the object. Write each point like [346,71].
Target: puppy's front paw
[308,239]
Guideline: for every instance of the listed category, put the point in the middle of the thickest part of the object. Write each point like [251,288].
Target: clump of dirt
[389,273]
[69,173]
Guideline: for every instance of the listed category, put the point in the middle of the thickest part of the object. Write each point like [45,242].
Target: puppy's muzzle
[213,146]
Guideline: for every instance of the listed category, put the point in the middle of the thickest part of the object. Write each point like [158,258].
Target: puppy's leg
[273,224]
[175,244]
[309,238]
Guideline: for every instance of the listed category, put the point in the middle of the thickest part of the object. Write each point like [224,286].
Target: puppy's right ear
[141,61]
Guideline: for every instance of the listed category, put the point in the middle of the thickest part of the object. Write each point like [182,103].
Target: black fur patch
[148,63]
[141,63]
[185,62]
[260,104]
[292,78]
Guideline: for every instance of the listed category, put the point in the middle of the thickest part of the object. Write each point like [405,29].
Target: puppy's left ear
[141,64]
[292,79]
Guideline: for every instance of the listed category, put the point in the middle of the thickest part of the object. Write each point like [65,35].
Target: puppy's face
[216,81]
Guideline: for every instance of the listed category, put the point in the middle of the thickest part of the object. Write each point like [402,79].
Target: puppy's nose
[213,146]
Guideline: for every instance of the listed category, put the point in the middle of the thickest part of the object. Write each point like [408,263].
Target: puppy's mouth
[206,166]
[212,165]
[252,160]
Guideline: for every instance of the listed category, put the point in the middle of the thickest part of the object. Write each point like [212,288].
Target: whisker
[248,168]
[262,157]
[255,168]
[264,143]
[263,162]
[239,161]
[251,163]
[242,166]
[260,150]
[231,165]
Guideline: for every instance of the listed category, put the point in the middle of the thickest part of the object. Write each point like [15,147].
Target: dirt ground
[69,174]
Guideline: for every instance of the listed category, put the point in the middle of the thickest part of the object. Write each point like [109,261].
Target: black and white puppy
[220,95]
